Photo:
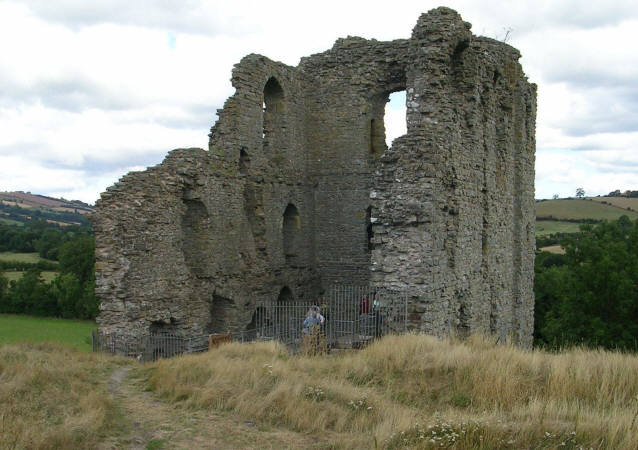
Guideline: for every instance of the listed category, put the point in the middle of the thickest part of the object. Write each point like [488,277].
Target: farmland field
[545,227]
[10,222]
[15,275]
[553,249]
[577,209]
[21,257]
[619,202]
[74,333]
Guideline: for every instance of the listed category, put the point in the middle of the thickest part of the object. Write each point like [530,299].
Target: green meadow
[21,257]
[74,333]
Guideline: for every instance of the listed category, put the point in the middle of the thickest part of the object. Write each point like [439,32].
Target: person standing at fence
[377,315]
[364,305]
[322,319]
[311,321]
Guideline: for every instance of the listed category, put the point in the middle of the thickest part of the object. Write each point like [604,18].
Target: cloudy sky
[91,89]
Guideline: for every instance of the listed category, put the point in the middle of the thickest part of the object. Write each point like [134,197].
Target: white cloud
[104,86]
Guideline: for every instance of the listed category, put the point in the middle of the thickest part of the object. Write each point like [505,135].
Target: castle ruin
[298,191]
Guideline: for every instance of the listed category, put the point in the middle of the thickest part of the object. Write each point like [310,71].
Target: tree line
[589,295]
[72,293]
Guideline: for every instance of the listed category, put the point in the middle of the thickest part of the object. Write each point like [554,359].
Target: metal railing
[148,347]
[352,317]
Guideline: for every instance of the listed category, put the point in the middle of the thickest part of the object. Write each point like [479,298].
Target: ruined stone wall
[297,177]
[453,201]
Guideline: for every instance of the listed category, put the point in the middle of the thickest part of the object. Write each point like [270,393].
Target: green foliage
[590,294]
[29,295]
[77,257]
[71,294]
[4,285]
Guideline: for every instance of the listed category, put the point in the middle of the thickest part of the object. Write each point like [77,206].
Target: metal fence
[147,347]
[353,316]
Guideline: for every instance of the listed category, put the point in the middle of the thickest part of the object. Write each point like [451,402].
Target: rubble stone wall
[298,191]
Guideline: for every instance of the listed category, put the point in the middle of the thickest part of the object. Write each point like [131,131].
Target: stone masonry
[298,191]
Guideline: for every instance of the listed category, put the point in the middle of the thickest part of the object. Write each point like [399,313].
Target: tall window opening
[395,117]
[220,312]
[291,231]
[244,162]
[369,232]
[195,226]
[272,110]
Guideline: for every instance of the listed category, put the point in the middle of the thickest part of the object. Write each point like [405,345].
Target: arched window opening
[369,232]
[291,231]
[395,123]
[195,227]
[244,162]
[272,110]
[285,295]
[220,313]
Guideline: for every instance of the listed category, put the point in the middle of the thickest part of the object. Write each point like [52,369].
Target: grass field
[553,249]
[48,276]
[412,391]
[73,333]
[21,257]
[620,202]
[545,227]
[415,391]
[10,222]
[576,209]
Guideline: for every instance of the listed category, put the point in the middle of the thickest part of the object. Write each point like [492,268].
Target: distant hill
[21,207]
[594,209]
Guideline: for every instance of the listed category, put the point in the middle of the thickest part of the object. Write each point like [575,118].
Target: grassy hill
[20,207]
[411,391]
[619,202]
[580,209]
[566,215]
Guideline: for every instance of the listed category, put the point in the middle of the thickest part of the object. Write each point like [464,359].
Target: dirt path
[152,424]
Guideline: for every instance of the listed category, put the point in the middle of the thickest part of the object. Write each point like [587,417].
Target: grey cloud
[525,17]
[190,16]
[74,94]
[608,110]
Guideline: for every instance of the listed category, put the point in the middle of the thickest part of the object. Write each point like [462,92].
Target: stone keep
[298,191]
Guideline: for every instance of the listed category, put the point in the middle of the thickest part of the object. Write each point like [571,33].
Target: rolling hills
[21,207]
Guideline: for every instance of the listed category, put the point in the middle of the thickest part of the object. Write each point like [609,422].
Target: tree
[77,257]
[580,192]
[555,197]
[67,290]
[30,295]
[4,285]
[593,297]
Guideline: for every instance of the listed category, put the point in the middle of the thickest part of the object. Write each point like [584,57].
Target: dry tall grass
[52,397]
[419,392]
